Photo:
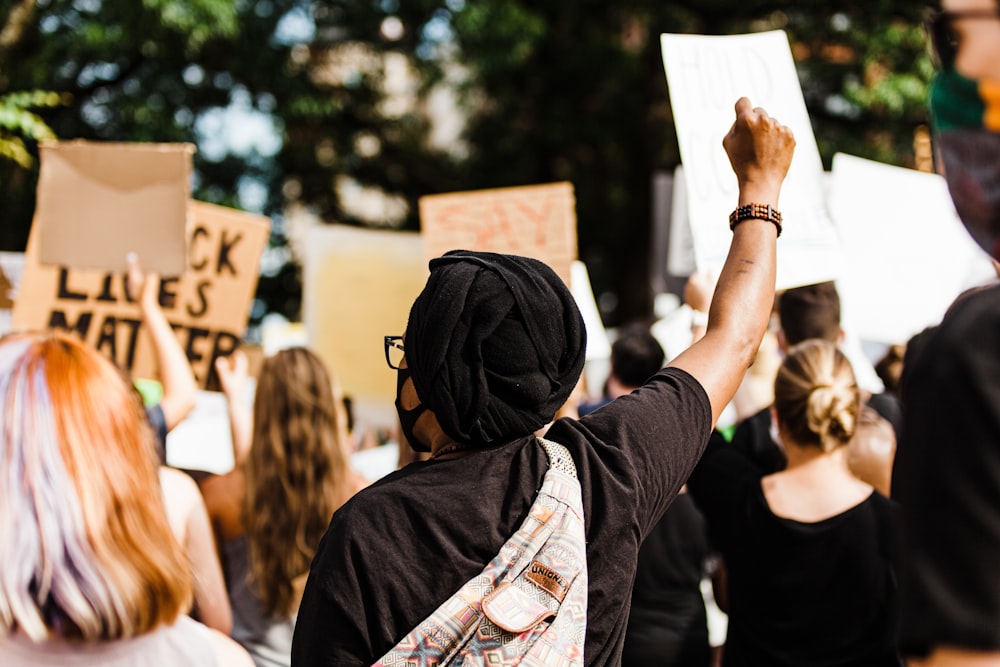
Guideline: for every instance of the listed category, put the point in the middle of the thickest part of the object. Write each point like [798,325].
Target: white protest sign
[598,346]
[202,441]
[680,249]
[907,255]
[706,75]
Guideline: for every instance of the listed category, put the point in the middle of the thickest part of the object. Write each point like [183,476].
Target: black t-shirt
[752,439]
[800,594]
[667,623]
[947,480]
[158,422]
[402,546]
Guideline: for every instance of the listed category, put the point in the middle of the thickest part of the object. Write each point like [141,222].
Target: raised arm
[180,391]
[760,151]
[233,373]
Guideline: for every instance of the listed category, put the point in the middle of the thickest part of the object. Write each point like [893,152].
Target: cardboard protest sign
[11,267]
[357,287]
[96,202]
[907,255]
[208,304]
[706,75]
[533,221]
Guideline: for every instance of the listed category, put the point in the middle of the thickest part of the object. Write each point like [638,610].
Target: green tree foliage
[18,122]
[547,90]
[576,91]
[159,71]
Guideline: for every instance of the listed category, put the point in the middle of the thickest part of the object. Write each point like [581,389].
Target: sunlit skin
[979,40]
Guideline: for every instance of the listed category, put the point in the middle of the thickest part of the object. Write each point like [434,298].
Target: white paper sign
[907,255]
[680,250]
[706,75]
[202,441]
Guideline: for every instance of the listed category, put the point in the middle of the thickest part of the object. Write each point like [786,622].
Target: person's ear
[841,337]
[782,342]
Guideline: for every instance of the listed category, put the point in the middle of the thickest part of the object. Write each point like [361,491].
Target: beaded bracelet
[755,212]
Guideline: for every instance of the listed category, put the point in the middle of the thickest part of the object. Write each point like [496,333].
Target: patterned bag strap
[559,457]
[441,636]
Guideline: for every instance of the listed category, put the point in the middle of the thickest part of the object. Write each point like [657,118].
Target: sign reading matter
[706,75]
[207,305]
[533,221]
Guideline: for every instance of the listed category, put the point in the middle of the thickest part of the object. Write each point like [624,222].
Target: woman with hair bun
[808,550]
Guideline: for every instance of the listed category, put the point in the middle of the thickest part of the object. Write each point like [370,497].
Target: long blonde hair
[816,395]
[87,552]
[297,472]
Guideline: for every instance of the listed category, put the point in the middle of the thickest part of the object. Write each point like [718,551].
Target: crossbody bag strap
[450,632]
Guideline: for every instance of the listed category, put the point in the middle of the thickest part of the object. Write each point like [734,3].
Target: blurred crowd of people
[833,525]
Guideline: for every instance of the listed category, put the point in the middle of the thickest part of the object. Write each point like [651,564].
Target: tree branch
[18,19]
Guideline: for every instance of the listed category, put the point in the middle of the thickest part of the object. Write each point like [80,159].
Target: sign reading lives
[207,305]
[533,221]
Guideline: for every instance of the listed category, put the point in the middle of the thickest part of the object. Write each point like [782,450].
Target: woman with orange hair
[291,473]
[89,568]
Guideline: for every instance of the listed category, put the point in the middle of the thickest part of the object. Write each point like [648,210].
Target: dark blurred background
[350,111]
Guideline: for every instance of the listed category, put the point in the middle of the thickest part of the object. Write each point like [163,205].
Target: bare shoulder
[177,484]
[228,653]
[181,498]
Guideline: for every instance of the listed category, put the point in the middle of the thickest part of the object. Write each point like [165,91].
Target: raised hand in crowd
[760,150]
[233,372]
[180,390]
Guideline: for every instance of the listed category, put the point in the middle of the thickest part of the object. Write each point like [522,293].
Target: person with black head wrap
[494,345]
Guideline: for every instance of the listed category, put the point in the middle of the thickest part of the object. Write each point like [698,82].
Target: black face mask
[408,418]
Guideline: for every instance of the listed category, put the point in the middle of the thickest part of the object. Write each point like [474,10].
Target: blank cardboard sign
[533,221]
[98,201]
[358,286]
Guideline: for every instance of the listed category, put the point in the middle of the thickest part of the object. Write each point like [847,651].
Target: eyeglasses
[940,27]
[394,351]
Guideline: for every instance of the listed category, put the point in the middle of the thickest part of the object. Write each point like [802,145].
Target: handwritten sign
[706,75]
[98,201]
[358,286]
[207,305]
[533,221]
[907,255]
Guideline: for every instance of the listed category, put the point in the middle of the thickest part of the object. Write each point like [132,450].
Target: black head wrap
[495,344]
